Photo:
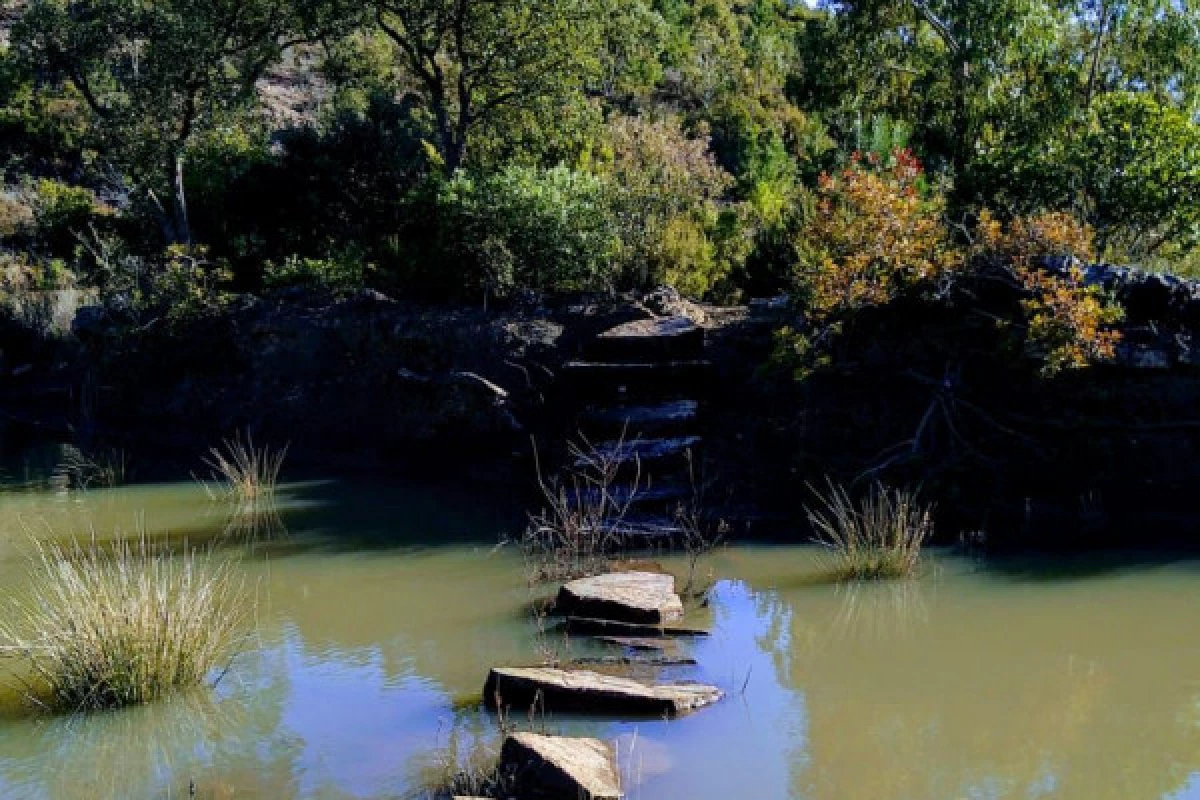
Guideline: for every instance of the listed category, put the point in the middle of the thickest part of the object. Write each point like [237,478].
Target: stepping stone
[641,597]
[560,767]
[642,450]
[554,689]
[608,627]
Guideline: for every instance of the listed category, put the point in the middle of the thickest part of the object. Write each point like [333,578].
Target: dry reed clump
[580,528]
[111,625]
[877,537]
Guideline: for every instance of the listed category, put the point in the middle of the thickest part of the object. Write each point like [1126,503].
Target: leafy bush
[548,229]
[1068,322]
[669,196]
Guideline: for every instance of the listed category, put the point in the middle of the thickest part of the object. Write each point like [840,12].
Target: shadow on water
[1041,568]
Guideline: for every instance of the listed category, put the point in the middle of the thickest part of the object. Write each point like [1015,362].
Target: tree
[1140,166]
[156,75]
[474,61]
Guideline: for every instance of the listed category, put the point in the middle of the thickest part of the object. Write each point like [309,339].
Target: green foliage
[695,133]
[153,76]
[669,192]
[550,229]
[343,273]
[1140,165]
[483,65]
[61,212]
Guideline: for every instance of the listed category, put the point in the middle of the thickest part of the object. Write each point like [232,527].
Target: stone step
[642,420]
[666,496]
[560,766]
[554,689]
[643,451]
[642,597]
[634,379]
[607,627]
[656,339]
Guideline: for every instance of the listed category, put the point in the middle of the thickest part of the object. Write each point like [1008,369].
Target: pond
[381,610]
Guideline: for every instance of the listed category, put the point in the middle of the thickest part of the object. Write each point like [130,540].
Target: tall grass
[119,624]
[876,537]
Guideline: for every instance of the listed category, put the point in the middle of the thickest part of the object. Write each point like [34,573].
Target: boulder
[554,689]
[642,597]
[554,767]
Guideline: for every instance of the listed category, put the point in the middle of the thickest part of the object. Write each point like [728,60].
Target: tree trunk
[182,233]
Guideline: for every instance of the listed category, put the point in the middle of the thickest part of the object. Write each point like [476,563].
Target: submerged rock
[611,627]
[642,597]
[552,767]
[582,690]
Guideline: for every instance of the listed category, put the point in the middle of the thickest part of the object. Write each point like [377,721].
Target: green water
[382,609]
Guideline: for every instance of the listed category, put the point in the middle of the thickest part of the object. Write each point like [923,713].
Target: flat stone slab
[554,767]
[642,597]
[611,627]
[557,689]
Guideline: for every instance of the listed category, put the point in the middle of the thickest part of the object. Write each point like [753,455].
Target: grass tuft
[119,624]
[876,537]
[245,478]
[244,473]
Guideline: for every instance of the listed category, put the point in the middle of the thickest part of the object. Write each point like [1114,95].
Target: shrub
[16,217]
[111,626]
[61,211]
[1068,323]
[878,536]
[670,188]
[330,273]
[546,229]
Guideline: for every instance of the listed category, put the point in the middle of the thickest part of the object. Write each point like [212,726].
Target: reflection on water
[382,609]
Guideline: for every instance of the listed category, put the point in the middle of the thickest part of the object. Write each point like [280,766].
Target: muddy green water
[381,611]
